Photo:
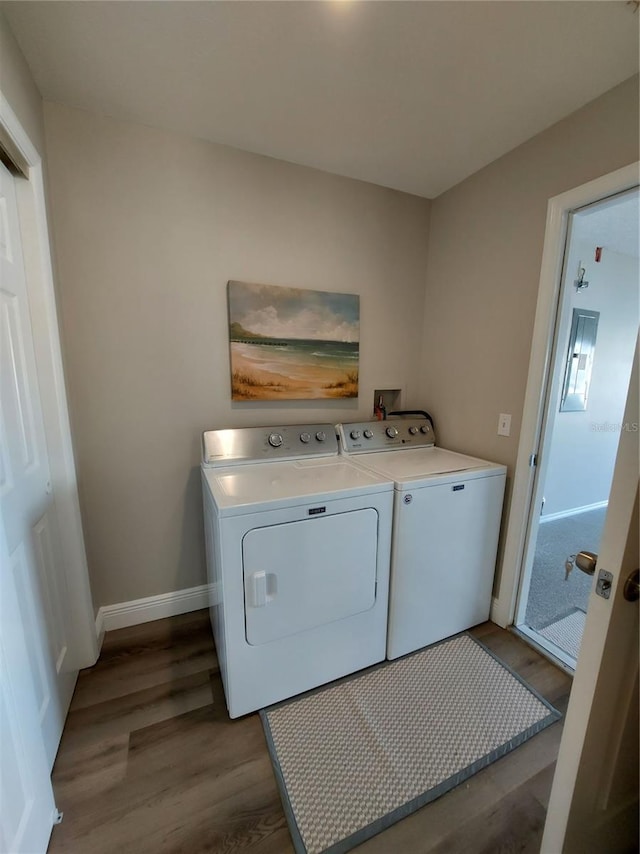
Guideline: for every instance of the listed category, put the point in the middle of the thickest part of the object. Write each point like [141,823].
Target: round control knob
[321,435]
[391,432]
[305,437]
[368,434]
[355,434]
[424,429]
[413,430]
[275,440]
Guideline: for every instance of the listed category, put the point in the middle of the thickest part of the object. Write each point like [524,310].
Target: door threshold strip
[545,647]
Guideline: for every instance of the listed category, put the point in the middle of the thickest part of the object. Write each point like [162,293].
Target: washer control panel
[367,436]
[257,444]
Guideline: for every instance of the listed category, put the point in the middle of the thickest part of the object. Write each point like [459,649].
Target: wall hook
[580,283]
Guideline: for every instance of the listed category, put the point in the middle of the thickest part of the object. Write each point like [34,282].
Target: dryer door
[304,574]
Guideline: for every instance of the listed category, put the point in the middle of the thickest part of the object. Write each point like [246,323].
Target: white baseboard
[573,511]
[137,611]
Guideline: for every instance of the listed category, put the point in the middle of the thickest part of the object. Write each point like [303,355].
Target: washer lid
[249,488]
[414,464]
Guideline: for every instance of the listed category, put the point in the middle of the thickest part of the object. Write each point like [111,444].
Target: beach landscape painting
[290,343]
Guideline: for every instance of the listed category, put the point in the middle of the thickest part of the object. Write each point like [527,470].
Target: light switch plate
[504,424]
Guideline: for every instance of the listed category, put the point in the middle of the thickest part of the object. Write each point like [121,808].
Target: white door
[26,501]
[28,809]
[594,797]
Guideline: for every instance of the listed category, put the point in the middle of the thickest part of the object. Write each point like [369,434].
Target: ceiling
[410,95]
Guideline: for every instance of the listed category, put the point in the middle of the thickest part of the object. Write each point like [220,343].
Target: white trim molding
[559,209]
[124,614]
[573,511]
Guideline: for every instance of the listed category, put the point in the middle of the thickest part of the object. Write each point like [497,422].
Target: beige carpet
[358,755]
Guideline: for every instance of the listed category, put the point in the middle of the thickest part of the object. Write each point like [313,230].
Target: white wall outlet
[504,424]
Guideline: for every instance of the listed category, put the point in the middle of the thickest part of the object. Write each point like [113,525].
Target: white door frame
[558,211]
[44,319]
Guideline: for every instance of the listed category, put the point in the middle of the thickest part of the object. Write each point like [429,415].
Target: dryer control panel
[260,444]
[366,436]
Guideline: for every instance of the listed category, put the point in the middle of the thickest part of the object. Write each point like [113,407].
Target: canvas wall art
[289,343]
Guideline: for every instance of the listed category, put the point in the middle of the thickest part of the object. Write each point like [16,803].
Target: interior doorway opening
[595,334]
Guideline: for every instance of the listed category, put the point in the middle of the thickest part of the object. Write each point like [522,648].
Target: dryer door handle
[262,588]
[258,587]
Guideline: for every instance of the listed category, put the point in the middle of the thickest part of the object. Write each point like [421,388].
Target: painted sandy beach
[257,372]
[289,343]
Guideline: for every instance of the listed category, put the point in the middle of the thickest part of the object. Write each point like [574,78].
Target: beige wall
[149,227]
[485,249]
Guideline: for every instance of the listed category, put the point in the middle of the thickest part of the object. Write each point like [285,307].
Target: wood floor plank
[512,824]
[90,769]
[179,752]
[136,709]
[151,763]
[125,641]
[166,817]
[146,659]
[540,785]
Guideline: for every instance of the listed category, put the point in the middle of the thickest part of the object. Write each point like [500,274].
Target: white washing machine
[446,521]
[298,546]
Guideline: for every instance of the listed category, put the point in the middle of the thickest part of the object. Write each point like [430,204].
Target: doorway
[590,365]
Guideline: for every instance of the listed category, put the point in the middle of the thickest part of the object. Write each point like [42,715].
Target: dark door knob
[632,586]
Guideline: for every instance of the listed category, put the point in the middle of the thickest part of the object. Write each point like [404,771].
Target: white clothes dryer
[298,546]
[446,521]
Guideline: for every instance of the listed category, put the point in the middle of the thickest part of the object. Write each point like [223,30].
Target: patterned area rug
[566,632]
[356,756]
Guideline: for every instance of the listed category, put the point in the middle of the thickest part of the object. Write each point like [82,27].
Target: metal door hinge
[533,460]
[57,816]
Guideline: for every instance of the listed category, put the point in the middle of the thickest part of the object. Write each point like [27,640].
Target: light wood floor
[149,761]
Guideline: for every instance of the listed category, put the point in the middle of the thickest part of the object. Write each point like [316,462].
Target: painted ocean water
[295,356]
